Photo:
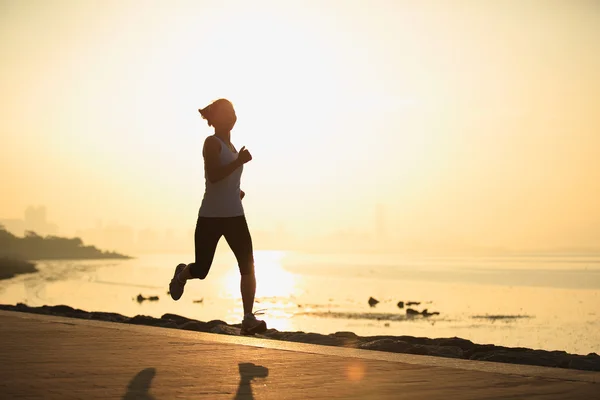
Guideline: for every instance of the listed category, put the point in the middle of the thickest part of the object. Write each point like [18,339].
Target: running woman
[221,212]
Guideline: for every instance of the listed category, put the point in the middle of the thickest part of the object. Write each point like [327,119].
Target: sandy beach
[454,347]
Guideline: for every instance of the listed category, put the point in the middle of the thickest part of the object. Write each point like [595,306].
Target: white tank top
[222,198]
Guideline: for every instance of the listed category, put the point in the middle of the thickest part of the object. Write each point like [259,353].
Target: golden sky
[471,122]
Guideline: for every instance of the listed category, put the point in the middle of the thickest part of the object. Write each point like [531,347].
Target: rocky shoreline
[442,347]
[35,247]
[11,267]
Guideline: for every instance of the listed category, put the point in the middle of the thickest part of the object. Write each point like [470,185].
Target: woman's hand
[244,156]
[242,194]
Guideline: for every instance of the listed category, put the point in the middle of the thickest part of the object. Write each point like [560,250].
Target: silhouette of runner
[221,212]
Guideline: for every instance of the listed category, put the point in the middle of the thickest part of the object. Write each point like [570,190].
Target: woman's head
[219,114]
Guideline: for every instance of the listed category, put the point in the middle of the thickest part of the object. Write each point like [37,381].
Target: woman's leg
[206,237]
[248,289]
[238,237]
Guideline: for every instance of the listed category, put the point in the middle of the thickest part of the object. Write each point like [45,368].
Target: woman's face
[225,119]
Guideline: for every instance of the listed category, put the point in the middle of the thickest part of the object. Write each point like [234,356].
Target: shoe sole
[260,328]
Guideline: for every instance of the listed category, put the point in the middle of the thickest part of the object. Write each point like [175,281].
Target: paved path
[44,357]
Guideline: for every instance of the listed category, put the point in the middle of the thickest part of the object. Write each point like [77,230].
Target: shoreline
[11,267]
[454,347]
[35,247]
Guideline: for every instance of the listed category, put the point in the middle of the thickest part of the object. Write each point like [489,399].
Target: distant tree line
[35,247]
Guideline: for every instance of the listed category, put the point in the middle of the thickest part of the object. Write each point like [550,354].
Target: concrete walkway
[44,357]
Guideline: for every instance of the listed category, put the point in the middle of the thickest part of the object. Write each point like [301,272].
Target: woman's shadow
[248,372]
[140,385]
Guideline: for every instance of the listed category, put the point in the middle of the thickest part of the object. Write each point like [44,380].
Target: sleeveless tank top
[222,198]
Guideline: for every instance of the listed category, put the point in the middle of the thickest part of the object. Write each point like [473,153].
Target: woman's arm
[214,171]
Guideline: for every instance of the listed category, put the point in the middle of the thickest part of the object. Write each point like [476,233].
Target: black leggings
[208,232]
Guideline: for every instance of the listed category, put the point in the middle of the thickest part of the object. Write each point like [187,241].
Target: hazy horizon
[458,124]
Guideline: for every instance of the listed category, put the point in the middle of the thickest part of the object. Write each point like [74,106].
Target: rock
[274,334]
[584,363]
[477,348]
[400,304]
[269,333]
[316,338]
[178,319]
[373,302]
[463,344]
[107,316]
[400,346]
[432,350]
[23,307]
[64,311]
[347,335]
[410,311]
[198,301]
[416,340]
[217,322]
[141,298]
[169,324]
[225,330]
[426,313]
[413,303]
[391,345]
[36,310]
[522,356]
[146,320]
[197,326]
[444,351]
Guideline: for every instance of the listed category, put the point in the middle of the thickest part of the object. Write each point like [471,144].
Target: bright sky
[472,122]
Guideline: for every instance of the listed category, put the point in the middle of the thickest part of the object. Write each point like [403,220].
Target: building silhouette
[34,219]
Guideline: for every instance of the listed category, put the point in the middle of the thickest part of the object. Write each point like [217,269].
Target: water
[538,302]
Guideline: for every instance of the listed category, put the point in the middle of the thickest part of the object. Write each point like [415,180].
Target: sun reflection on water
[274,287]
[272,280]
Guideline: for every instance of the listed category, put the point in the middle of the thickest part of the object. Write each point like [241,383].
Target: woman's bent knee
[199,272]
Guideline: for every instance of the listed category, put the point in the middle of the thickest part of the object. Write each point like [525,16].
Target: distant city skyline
[34,219]
[124,238]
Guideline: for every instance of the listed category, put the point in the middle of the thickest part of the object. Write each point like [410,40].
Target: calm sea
[550,303]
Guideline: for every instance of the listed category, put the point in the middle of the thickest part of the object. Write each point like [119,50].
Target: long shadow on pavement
[248,372]
[140,385]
